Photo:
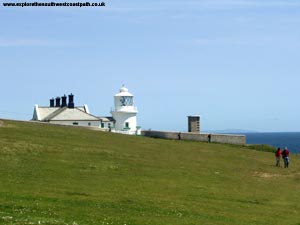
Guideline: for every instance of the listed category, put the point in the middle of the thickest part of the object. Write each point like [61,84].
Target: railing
[125,108]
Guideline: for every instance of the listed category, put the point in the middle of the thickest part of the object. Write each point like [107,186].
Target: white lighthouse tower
[125,113]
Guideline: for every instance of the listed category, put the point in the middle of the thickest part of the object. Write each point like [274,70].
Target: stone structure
[194,124]
[218,138]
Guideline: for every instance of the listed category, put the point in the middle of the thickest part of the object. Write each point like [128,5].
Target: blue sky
[234,62]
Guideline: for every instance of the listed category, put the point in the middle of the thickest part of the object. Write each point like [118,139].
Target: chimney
[52,102]
[71,101]
[194,124]
[57,102]
[64,101]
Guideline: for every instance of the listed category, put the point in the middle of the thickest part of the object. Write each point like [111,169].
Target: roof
[124,92]
[46,111]
[64,114]
[106,119]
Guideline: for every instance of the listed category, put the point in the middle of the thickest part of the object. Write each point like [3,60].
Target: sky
[233,62]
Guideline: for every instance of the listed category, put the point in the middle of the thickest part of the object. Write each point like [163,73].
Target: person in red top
[285,155]
[278,155]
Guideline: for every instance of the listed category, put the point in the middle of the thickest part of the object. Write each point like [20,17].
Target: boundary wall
[217,138]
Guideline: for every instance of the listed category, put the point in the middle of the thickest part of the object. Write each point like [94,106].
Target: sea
[291,140]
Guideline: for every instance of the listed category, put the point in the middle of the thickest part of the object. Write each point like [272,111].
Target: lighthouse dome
[123,92]
[123,89]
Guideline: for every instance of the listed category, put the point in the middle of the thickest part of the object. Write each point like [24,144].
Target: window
[126,125]
[126,101]
[75,123]
[108,125]
[89,124]
[102,125]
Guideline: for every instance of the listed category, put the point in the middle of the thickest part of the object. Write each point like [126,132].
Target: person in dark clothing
[179,136]
[209,138]
[285,155]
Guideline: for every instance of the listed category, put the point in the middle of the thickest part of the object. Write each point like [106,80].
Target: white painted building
[123,118]
[125,113]
[65,114]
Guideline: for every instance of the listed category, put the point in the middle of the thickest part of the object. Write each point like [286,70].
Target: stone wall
[217,138]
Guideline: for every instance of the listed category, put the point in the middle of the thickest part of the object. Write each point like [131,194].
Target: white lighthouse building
[125,113]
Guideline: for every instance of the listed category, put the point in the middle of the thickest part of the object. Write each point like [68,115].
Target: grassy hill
[67,175]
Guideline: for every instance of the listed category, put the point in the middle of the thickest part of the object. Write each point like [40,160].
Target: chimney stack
[52,102]
[57,102]
[71,101]
[194,124]
[64,101]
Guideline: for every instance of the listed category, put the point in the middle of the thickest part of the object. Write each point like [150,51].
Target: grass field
[64,175]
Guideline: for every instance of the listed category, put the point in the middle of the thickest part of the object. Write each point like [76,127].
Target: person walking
[179,136]
[278,156]
[209,138]
[285,155]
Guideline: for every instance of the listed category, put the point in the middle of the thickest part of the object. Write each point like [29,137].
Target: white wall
[80,123]
[121,118]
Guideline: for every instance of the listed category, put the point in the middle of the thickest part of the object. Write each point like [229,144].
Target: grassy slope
[65,175]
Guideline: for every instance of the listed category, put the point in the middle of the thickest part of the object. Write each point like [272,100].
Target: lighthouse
[125,113]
